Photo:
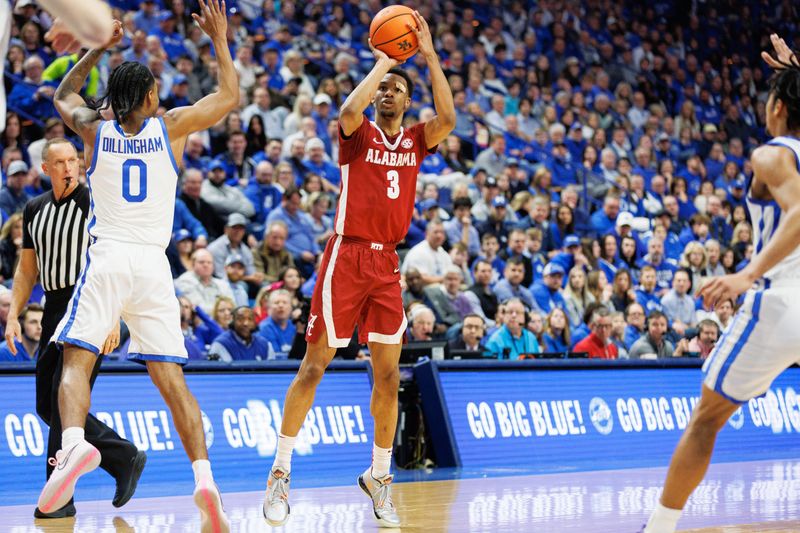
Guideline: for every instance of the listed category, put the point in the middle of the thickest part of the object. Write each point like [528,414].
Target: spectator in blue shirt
[547,291]
[13,197]
[679,306]
[171,40]
[603,220]
[635,318]
[301,242]
[315,162]
[277,329]
[512,339]
[646,294]
[556,332]
[146,19]
[183,219]
[460,227]
[511,285]
[665,268]
[27,346]
[263,194]
[238,343]
[32,95]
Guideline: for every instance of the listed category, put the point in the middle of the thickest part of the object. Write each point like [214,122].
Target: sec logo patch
[407,143]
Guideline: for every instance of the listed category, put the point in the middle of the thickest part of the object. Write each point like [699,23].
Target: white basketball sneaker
[69,466]
[212,515]
[276,501]
[380,491]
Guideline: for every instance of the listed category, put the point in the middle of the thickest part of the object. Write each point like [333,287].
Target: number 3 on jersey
[393,191]
[141,170]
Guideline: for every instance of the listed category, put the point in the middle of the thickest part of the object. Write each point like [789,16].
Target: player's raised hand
[13,331]
[423,33]
[61,38]
[724,288]
[212,18]
[116,35]
[782,51]
[381,56]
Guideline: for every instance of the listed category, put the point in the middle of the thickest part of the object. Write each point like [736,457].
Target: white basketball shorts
[762,341]
[132,281]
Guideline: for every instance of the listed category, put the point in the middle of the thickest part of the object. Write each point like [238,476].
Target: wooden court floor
[738,497]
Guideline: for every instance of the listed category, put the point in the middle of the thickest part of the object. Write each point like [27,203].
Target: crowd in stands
[596,176]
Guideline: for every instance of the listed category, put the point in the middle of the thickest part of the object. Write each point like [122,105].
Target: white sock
[381,461]
[202,469]
[71,436]
[663,520]
[283,457]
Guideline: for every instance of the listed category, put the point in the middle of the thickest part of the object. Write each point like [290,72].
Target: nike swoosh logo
[376,141]
[63,463]
[396,270]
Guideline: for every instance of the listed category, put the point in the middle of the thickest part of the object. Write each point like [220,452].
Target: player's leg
[335,305]
[301,392]
[383,404]
[757,347]
[76,456]
[691,458]
[383,326]
[299,399]
[153,318]
[171,384]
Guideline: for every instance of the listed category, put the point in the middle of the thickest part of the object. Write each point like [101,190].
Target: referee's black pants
[116,453]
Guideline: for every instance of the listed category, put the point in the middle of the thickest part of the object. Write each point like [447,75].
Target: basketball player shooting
[359,278]
[132,175]
[762,341]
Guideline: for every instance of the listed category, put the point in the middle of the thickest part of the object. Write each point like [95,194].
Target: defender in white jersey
[764,338]
[132,176]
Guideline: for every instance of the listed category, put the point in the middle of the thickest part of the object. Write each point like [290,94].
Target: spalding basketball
[390,34]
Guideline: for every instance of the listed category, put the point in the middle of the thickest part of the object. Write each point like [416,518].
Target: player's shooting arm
[212,108]
[439,127]
[352,112]
[775,167]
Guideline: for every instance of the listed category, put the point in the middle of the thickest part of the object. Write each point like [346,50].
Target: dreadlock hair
[785,85]
[403,74]
[127,87]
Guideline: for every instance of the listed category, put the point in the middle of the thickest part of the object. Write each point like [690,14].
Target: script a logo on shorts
[600,415]
[208,429]
[737,419]
[311,320]
[407,143]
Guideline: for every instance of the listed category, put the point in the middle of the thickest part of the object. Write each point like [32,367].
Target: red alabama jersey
[379,182]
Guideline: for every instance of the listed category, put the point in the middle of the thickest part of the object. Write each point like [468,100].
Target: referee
[54,243]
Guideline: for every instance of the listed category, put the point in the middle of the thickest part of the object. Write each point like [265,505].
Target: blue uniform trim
[775,142]
[737,348]
[777,220]
[79,343]
[119,128]
[761,236]
[144,357]
[169,146]
[63,337]
[96,147]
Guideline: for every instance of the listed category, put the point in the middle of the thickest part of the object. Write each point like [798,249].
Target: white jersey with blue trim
[766,215]
[133,181]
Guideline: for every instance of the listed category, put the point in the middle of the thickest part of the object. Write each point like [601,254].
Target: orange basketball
[390,34]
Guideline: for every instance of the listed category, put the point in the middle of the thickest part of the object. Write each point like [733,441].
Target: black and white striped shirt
[57,232]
